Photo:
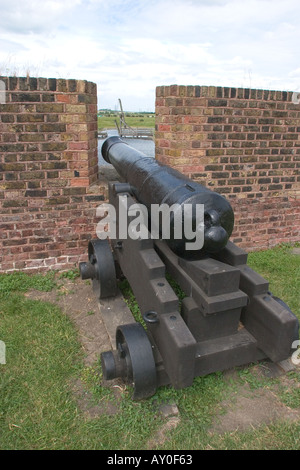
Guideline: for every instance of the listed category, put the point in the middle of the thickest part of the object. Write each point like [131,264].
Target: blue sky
[128,47]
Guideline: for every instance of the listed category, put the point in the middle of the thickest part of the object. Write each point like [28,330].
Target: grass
[38,409]
[282,270]
[35,404]
[129,297]
[71,274]
[21,282]
[135,120]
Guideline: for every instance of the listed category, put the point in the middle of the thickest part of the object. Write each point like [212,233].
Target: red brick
[78,146]
[30,236]
[246,131]
[79,182]
[63,98]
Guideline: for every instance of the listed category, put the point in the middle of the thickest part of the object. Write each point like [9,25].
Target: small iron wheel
[101,258]
[132,361]
[284,305]
[134,345]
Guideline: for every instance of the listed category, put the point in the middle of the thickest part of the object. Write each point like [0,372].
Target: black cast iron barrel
[155,183]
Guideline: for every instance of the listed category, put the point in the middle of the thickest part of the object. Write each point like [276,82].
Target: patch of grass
[281,436]
[176,288]
[43,358]
[71,274]
[290,398]
[282,269]
[37,407]
[136,120]
[249,375]
[41,350]
[21,282]
[92,377]
[129,298]
[290,395]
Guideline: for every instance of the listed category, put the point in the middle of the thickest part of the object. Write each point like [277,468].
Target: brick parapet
[48,172]
[242,143]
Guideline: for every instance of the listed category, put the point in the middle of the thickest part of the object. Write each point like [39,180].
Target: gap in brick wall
[239,142]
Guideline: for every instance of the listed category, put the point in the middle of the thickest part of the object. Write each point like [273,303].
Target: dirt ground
[246,408]
[78,301]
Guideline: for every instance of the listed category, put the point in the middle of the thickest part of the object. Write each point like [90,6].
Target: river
[145,146]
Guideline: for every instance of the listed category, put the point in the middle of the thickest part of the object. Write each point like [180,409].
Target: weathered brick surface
[242,143]
[48,172]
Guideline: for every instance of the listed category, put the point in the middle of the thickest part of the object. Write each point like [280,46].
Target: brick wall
[49,185]
[242,143]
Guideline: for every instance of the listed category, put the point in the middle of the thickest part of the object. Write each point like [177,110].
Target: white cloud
[33,16]
[128,47]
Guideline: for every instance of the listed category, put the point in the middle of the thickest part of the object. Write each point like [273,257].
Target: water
[145,146]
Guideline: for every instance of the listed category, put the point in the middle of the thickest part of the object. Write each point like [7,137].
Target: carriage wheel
[133,360]
[100,268]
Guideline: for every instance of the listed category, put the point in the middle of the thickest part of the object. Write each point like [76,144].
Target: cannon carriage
[228,317]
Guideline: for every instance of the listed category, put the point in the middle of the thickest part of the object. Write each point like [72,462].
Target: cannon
[226,317]
[153,183]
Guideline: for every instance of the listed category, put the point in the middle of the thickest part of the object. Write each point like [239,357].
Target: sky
[129,47]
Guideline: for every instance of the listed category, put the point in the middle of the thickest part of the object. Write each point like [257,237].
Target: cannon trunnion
[227,316]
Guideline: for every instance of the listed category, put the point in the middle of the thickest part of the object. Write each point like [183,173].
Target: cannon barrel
[154,183]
